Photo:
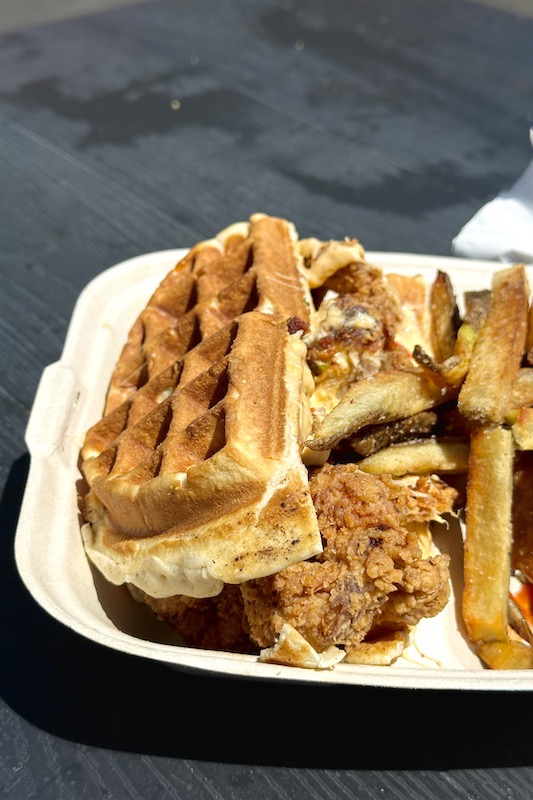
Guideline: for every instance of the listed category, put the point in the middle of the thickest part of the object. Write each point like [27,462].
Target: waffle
[195,472]
[247,266]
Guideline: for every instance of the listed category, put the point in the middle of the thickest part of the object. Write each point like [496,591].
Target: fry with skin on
[522,389]
[487,549]
[418,458]
[454,368]
[522,552]
[529,339]
[376,437]
[522,429]
[444,316]
[486,392]
[386,396]
[506,655]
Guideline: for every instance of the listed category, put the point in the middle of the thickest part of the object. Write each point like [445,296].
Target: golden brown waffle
[195,471]
[247,266]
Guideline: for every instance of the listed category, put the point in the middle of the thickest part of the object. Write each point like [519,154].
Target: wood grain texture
[148,128]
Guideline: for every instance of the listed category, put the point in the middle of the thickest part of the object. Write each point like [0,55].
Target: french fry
[522,389]
[477,304]
[522,429]
[498,351]
[522,552]
[529,338]
[455,368]
[488,539]
[444,317]
[418,458]
[506,655]
[375,437]
[384,397]
[518,622]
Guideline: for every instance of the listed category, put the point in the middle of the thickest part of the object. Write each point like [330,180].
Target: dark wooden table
[150,128]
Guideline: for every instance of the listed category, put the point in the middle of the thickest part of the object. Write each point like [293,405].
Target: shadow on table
[79,691]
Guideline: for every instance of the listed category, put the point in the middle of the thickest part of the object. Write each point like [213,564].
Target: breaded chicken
[371,571]
[215,623]
[352,335]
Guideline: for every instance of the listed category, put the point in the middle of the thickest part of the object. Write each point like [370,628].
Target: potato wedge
[424,457]
[384,397]
[498,351]
[487,548]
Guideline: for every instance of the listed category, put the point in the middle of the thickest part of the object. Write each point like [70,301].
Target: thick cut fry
[506,655]
[375,437]
[522,390]
[488,534]
[518,622]
[418,458]
[522,553]
[477,304]
[529,338]
[444,317]
[498,351]
[522,429]
[384,397]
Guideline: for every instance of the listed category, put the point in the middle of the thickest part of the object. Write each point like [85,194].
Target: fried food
[268,463]
[444,315]
[214,623]
[522,549]
[373,438]
[206,485]
[488,539]
[419,458]
[486,392]
[371,571]
[384,397]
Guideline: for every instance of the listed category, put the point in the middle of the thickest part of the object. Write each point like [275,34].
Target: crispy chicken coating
[371,571]
[215,623]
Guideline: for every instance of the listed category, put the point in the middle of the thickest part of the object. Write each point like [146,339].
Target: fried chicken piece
[371,288]
[369,557]
[215,623]
[349,341]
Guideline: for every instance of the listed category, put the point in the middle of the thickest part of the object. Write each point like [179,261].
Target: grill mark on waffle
[129,413]
[164,424]
[216,281]
[100,436]
[196,479]
[200,443]
[138,442]
[189,426]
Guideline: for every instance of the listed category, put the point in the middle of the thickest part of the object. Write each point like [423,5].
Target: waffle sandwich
[206,490]
[195,472]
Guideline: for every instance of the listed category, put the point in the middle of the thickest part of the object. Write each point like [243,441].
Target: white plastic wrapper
[503,228]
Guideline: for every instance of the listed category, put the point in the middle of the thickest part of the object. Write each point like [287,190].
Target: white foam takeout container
[48,546]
